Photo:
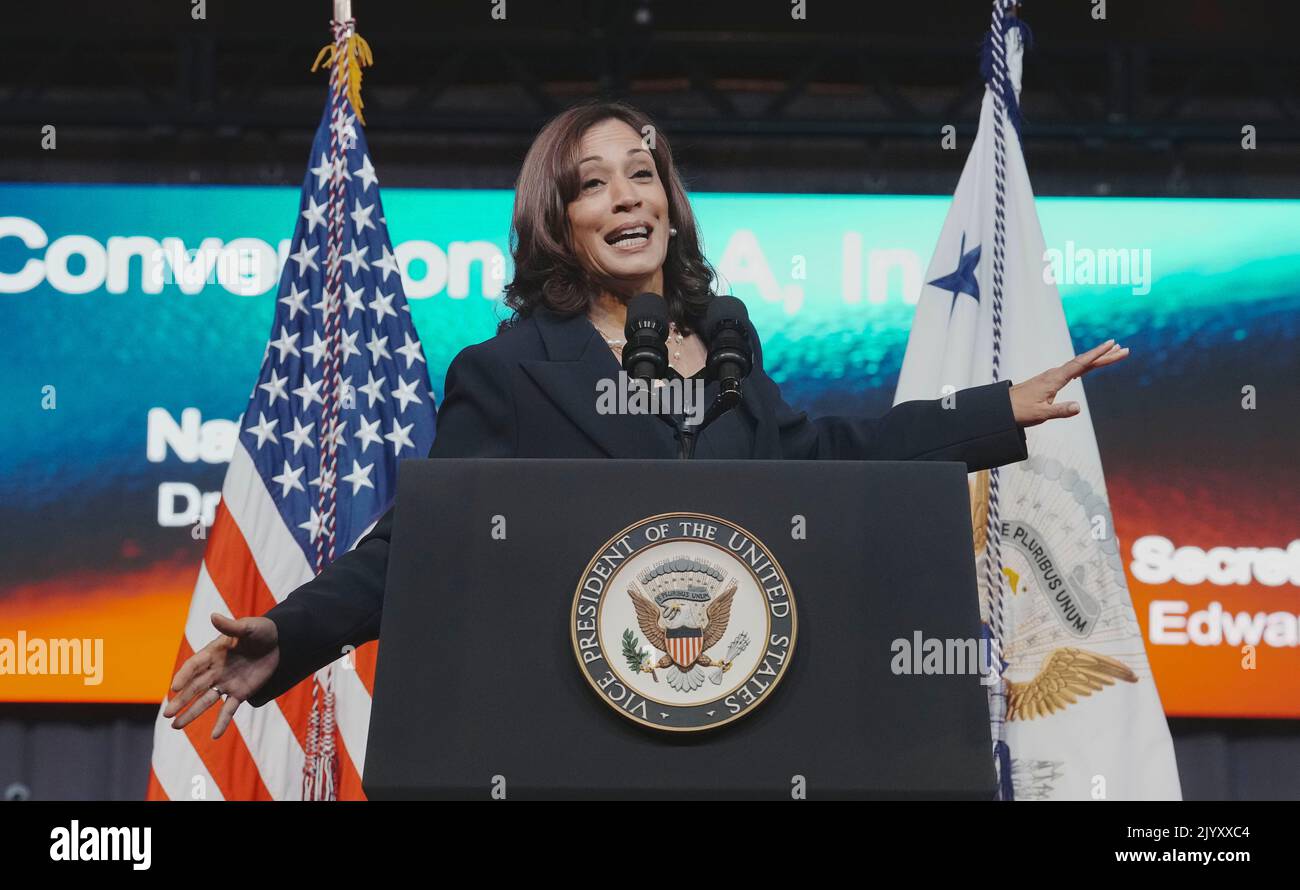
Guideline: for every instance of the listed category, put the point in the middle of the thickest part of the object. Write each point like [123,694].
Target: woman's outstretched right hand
[237,663]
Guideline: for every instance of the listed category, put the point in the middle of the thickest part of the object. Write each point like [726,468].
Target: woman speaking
[600,216]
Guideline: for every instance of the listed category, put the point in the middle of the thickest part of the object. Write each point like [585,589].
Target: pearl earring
[671,231]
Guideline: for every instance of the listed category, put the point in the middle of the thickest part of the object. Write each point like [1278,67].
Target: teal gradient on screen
[112,356]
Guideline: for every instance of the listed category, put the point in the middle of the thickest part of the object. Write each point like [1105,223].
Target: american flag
[343,394]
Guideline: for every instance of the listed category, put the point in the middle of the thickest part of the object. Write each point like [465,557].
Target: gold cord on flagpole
[355,55]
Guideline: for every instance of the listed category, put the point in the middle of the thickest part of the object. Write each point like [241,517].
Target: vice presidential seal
[683,621]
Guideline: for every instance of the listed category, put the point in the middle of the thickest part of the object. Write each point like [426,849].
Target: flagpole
[993,552]
[320,779]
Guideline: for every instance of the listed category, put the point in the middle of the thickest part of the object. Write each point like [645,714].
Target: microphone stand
[728,397]
[687,434]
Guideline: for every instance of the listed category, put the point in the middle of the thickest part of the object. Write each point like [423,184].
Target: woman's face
[619,189]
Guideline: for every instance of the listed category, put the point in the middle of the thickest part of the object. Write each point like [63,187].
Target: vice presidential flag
[1075,714]
[342,395]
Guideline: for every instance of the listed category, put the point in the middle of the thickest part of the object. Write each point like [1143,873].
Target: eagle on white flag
[1075,711]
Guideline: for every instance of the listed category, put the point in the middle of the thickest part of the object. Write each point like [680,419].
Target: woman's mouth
[629,239]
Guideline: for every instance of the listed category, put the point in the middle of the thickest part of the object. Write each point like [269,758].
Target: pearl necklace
[674,336]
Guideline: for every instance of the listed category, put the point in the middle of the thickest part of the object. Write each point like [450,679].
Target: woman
[600,216]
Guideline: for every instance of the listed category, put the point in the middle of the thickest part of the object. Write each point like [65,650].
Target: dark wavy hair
[547,271]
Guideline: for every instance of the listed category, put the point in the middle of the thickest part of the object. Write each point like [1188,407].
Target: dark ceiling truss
[721,83]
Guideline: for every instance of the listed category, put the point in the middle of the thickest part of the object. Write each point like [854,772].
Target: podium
[573,629]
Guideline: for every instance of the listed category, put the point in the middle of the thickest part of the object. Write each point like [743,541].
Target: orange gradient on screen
[139,616]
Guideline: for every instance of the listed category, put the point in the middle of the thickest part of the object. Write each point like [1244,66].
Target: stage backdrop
[123,375]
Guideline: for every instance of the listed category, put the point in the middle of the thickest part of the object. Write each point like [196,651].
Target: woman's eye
[646,172]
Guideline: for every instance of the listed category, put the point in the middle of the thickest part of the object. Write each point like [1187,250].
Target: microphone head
[645,355]
[726,330]
[722,308]
[647,311]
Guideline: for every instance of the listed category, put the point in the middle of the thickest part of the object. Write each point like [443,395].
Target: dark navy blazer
[530,391]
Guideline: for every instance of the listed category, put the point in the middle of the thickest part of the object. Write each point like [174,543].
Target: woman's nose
[623,195]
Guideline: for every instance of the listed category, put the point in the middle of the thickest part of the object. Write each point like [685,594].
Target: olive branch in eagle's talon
[638,659]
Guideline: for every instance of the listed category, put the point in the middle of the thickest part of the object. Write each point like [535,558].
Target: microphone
[726,329]
[645,355]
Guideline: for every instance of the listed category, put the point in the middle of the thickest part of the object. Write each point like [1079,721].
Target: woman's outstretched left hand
[1032,401]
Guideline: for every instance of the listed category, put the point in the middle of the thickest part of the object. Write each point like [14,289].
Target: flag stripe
[352,713]
[366,657]
[274,747]
[182,766]
[232,568]
[155,790]
[280,561]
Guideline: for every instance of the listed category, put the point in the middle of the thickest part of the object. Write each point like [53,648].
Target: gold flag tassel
[355,55]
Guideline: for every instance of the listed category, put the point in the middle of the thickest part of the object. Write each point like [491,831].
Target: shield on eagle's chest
[684,645]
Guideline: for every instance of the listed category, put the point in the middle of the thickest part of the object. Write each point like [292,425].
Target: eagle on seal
[683,622]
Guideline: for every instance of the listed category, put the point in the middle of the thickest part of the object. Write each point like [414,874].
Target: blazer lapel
[578,357]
